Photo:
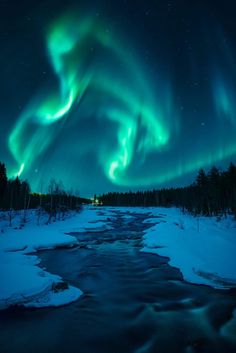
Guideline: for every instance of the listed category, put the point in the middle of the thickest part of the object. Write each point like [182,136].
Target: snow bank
[31,237]
[33,287]
[22,281]
[202,248]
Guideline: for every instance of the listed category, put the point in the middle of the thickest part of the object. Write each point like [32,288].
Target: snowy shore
[203,248]
[23,282]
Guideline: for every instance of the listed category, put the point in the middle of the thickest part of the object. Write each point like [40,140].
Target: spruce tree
[3,183]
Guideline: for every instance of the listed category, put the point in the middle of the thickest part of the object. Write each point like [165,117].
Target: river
[133,302]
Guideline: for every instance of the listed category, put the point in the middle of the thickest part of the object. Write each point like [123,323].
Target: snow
[203,248]
[23,282]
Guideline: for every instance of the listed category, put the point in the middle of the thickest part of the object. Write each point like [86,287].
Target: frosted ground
[202,248]
[22,281]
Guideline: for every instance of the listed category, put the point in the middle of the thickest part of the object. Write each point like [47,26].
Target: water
[133,303]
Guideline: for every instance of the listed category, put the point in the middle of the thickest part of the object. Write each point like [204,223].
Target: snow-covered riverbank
[23,282]
[203,248]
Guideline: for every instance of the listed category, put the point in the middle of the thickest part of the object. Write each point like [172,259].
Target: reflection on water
[133,303]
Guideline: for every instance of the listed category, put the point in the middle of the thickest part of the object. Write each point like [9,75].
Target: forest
[16,195]
[211,194]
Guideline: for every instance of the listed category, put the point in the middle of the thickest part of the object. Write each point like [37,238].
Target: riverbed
[133,302]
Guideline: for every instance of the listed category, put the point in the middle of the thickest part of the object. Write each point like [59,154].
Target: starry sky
[117,95]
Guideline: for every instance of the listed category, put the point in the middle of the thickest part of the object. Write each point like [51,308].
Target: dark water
[133,302]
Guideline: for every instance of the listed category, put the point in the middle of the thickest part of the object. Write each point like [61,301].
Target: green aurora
[100,76]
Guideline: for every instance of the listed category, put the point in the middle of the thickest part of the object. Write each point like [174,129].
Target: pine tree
[3,183]
[201,179]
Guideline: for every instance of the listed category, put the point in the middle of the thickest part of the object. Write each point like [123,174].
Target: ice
[203,248]
[22,281]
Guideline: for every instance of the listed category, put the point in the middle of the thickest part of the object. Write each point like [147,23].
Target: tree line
[16,195]
[211,194]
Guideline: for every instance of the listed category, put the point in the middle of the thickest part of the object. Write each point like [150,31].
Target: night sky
[117,95]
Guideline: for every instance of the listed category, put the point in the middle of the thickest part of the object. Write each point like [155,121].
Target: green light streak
[21,169]
[62,111]
[122,92]
[224,101]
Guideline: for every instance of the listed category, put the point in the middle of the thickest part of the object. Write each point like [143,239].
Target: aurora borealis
[132,95]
